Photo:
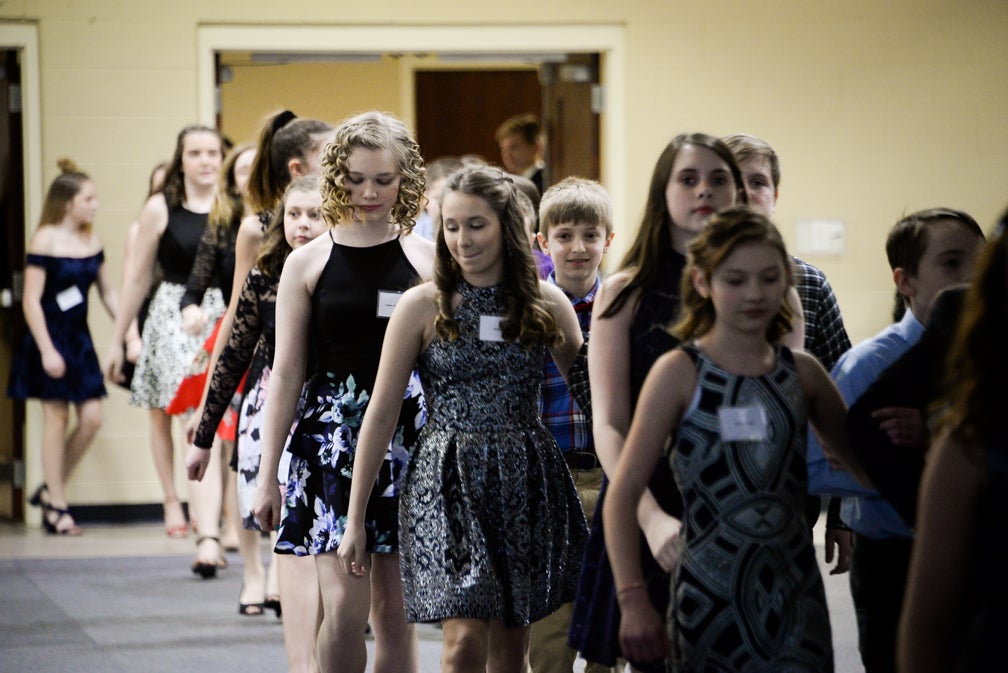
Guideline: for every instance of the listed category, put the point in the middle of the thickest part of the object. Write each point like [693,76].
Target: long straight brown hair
[654,236]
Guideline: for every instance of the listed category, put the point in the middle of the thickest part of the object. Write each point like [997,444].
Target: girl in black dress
[340,289]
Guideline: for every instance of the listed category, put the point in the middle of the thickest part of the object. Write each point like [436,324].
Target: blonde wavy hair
[373,131]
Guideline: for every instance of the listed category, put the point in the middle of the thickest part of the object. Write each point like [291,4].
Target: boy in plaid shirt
[575,229]
[825,335]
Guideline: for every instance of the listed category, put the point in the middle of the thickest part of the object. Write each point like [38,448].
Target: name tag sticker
[69,298]
[743,424]
[490,328]
[387,300]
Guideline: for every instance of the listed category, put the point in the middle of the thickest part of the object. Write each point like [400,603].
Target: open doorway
[457,103]
[392,54]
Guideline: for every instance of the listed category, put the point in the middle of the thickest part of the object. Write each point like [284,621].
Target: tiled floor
[22,545]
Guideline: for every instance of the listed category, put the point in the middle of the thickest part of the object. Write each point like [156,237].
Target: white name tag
[490,328]
[69,298]
[743,424]
[387,300]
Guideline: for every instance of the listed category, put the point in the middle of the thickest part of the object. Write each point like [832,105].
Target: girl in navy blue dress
[56,362]
[695,176]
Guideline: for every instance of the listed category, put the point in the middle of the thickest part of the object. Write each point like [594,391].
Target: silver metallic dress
[490,525]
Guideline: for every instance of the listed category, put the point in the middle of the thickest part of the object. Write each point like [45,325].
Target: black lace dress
[249,348]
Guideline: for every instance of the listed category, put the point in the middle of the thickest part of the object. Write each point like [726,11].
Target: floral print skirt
[248,449]
[322,447]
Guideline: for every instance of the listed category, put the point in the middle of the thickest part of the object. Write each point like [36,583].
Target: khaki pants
[548,650]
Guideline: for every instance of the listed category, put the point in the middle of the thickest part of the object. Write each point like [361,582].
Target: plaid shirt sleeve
[578,383]
[560,412]
[825,335]
[565,407]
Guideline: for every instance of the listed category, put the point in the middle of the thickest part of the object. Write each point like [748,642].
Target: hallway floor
[121,599]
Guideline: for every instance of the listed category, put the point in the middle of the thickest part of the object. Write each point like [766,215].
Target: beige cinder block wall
[877,109]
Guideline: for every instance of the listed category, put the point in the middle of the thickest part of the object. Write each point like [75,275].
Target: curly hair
[654,236]
[973,403]
[373,131]
[62,191]
[726,231]
[527,319]
[275,247]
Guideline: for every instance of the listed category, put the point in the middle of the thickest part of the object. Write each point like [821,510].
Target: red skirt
[190,391]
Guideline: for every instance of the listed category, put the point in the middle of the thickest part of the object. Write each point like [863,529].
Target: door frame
[23,37]
[478,41]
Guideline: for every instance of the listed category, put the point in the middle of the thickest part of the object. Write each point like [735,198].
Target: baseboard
[120,514]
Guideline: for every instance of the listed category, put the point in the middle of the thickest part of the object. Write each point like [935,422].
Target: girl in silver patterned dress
[491,532]
[747,594]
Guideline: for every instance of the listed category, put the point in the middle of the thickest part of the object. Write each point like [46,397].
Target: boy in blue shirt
[928,251]
[575,229]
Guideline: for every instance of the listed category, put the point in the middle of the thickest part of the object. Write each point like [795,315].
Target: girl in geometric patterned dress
[56,361]
[747,594]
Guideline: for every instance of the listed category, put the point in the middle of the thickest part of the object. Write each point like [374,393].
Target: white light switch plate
[820,237]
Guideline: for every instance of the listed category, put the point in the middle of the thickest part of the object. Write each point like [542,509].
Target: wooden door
[458,111]
[571,106]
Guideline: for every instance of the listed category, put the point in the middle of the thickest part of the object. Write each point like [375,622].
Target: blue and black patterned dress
[490,523]
[347,332]
[69,279]
[747,594]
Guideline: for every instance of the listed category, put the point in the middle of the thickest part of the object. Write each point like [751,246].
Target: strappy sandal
[250,609]
[176,531]
[52,525]
[36,498]
[208,569]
